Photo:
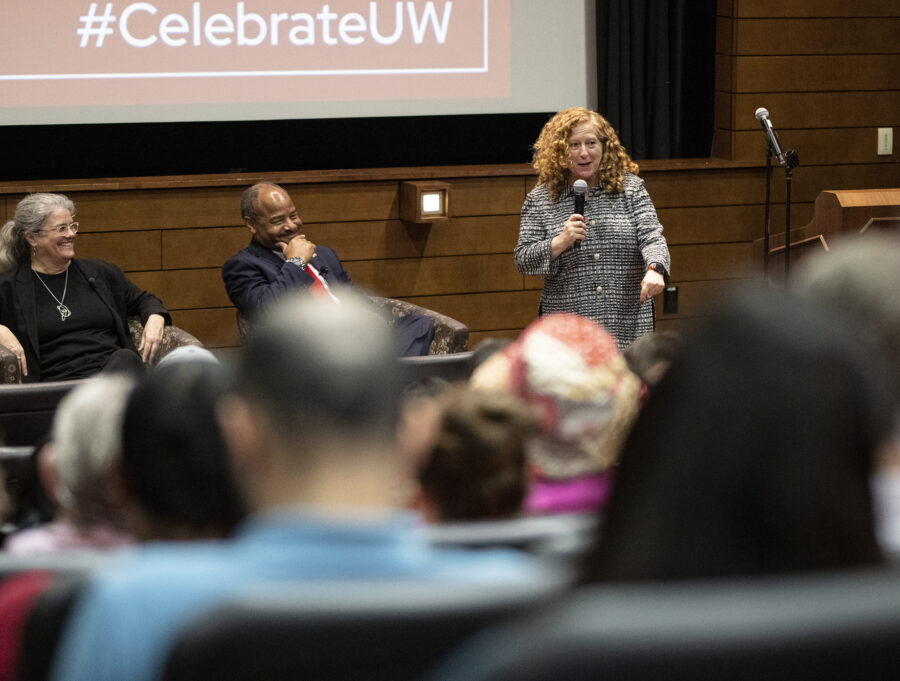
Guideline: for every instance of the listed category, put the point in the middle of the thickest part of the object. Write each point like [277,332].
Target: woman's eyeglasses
[66,226]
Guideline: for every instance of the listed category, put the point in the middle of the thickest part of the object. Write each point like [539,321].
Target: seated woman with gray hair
[65,318]
[79,468]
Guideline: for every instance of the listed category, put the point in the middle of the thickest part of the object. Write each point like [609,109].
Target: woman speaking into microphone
[607,262]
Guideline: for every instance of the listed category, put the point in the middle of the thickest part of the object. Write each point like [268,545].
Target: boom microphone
[580,187]
[762,115]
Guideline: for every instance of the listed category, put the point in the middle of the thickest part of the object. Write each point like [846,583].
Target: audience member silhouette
[310,427]
[176,478]
[753,454]
[856,277]
[569,369]
[473,460]
[78,468]
[651,355]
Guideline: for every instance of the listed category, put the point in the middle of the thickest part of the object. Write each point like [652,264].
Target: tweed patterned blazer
[602,279]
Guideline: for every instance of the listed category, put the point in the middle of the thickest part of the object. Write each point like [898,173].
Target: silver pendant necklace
[64,312]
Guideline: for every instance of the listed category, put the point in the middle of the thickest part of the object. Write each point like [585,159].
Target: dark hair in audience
[476,468]
[646,353]
[174,461]
[753,454]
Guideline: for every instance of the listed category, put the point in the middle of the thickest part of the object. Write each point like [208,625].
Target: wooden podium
[836,212]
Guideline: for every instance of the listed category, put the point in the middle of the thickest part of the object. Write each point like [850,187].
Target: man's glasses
[66,226]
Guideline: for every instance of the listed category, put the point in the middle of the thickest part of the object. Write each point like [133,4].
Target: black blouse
[80,345]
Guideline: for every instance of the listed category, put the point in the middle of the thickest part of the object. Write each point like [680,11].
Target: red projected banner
[76,53]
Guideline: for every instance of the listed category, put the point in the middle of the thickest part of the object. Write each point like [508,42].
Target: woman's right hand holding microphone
[574,230]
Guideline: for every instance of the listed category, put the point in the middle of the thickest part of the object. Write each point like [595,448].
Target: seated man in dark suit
[281,259]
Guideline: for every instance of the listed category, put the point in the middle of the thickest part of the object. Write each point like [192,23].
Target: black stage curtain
[655,71]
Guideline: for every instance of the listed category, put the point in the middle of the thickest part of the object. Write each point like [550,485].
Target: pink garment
[61,536]
[17,594]
[585,493]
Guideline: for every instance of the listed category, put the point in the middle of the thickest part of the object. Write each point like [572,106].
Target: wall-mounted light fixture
[424,202]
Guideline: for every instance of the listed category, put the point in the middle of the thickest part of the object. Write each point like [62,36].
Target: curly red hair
[551,152]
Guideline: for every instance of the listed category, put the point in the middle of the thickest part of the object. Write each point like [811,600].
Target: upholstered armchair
[450,335]
[173,337]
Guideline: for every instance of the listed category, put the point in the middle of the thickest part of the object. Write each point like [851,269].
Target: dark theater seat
[325,632]
[842,626]
[26,410]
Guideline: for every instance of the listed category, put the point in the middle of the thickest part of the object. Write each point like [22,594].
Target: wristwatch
[659,269]
[298,262]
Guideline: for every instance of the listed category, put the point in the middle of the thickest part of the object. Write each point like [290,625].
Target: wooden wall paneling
[815,8]
[342,202]
[463,267]
[202,247]
[805,73]
[711,224]
[487,196]
[725,76]
[216,327]
[12,200]
[725,34]
[185,289]
[436,276]
[211,247]
[814,35]
[713,261]
[532,283]
[702,188]
[793,110]
[129,250]
[395,239]
[809,181]
[158,209]
[817,146]
[486,311]
[724,110]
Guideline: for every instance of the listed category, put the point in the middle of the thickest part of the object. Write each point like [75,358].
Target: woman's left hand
[652,284]
[151,339]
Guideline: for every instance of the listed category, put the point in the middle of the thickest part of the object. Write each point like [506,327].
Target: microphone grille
[580,187]
[760,112]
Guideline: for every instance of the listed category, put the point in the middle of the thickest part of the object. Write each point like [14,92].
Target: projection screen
[75,61]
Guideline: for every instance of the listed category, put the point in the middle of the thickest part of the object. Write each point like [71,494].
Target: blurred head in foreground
[174,466]
[752,455]
[313,416]
[860,277]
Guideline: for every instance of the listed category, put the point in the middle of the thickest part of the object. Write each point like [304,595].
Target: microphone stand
[791,161]
[768,205]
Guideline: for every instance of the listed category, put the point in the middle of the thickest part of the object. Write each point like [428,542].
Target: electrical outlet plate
[885,141]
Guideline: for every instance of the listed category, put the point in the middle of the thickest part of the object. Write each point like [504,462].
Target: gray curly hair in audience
[29,219]
[87,441]
[860,276]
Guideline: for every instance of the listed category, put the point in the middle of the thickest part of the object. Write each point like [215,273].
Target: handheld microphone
[580,187]
[762,115]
